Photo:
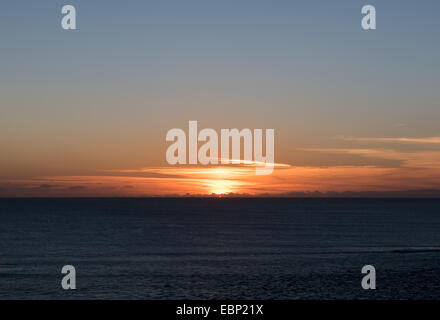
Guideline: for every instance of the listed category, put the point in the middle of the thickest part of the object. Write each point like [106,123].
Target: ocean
[219,248]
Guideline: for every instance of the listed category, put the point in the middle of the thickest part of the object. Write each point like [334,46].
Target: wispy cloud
[220,180]
[382,153]
[425,140]
[418,170]
[419,159]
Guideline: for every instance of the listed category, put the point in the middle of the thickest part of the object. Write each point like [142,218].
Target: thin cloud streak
[419,159]
[206,181]
[418,171]
[425,140]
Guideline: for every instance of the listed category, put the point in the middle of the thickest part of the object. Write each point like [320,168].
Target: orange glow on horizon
[417,171]
[226,180]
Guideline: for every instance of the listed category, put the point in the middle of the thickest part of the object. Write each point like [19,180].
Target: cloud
[388,154]
[417,171]
[421,159]
[77,188]
[236,181]
[244,166]
[364,152]
[47,186]
[426,140]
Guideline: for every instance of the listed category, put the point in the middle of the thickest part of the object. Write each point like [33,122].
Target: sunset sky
[85,112]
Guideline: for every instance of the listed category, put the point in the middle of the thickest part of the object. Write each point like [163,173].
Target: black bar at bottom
[227,309]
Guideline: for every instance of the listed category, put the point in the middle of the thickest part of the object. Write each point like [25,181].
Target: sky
[85,112]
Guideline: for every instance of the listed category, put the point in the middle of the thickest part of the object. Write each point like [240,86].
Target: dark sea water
[219,248]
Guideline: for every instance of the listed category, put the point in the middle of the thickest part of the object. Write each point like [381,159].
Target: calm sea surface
[219,248]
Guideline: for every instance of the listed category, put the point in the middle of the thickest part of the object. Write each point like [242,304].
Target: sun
[221,187]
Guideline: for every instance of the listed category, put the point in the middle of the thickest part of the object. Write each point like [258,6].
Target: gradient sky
[85,112]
